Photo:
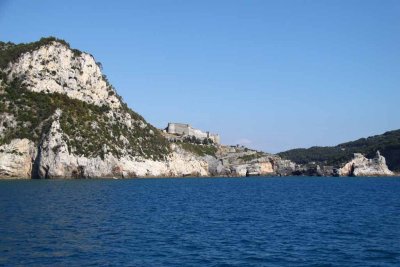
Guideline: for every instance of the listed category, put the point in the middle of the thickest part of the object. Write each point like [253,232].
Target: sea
[261,221]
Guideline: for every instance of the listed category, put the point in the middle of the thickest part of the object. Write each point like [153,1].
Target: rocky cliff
[60,118]
[55,68]
[361,166]
[239,161]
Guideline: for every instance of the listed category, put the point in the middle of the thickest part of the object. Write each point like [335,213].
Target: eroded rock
[361,166]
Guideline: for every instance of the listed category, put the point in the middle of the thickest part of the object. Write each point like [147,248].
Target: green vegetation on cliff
[10,52]
[388,144]
[89,130]
[253,156]
[200,150]
[87,127]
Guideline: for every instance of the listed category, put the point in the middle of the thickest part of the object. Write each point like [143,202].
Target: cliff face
[60,118]
[55,68]
[16,159]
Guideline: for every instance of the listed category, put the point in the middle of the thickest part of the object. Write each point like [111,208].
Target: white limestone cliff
[16,159]
[55,161]
[361,166]
[55,68]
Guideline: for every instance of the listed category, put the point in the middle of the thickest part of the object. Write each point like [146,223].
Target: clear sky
[272,75]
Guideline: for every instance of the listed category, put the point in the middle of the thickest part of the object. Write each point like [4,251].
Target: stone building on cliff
[182,129]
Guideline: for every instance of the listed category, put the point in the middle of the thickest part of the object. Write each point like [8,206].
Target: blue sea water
[201,222]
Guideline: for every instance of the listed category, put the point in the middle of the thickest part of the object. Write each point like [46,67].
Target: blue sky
[272,75]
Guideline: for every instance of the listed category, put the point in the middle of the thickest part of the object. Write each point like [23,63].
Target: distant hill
[388,144]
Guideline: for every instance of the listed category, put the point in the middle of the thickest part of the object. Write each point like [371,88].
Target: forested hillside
[388,144]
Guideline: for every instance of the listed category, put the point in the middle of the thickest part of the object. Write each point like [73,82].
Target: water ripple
[201,222]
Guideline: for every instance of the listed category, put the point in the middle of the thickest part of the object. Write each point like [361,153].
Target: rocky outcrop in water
[387,143]
[239,161]
[361,166]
